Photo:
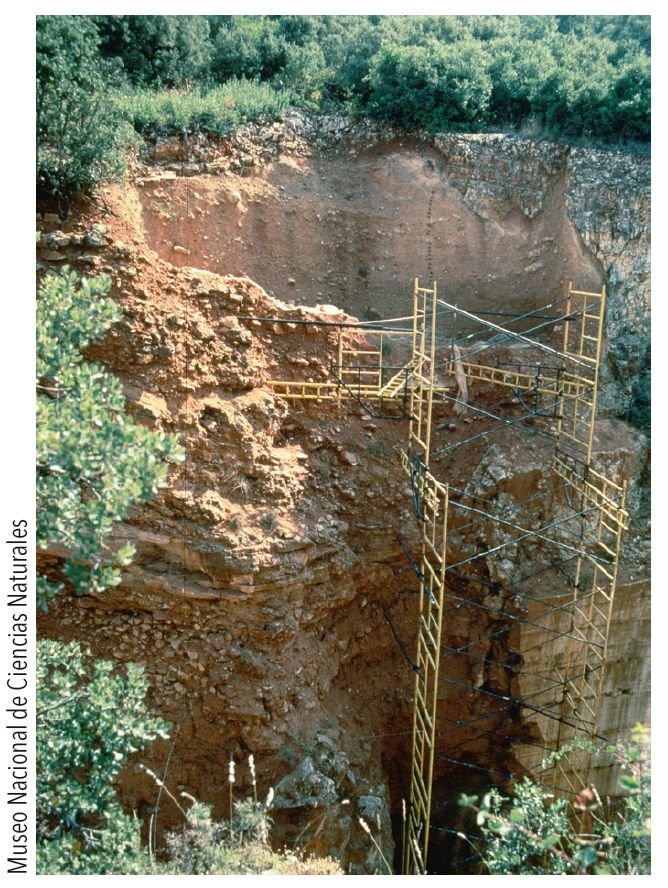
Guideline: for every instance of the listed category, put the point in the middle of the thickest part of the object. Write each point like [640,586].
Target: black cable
[524,620]
[528,534]
[509,314]
[521,620]
[599,559]
[507,775]
[503,423]
[515,503]
[487,660]
[371,326]
[455,528]
[400,643]
[496,587]
[417,572]
[510,334]
[521,702]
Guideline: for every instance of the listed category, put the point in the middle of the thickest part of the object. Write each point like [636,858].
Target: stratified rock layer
[270,600]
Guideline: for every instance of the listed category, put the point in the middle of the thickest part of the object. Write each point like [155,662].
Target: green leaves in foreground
[90,719]
[534,833]
[93,461]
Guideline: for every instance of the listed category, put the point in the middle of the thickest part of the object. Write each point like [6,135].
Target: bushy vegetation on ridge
[219,110]
[567,77]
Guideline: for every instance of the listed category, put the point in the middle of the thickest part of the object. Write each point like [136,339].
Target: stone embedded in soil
[97,236]
[264,632]
[305,787]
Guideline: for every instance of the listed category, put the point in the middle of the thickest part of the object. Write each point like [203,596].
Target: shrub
[206,847]
[518,66]
[82,138]
[248,47]
[533,832]
[157,50]
[631,99]
[577,96]
[219,110]
[93,461]
[89,719]
[433,86]
[238,846]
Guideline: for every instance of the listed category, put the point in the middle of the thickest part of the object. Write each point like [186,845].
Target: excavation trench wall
[355,232]
[270,601]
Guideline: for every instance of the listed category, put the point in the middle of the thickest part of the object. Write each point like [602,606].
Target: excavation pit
[270,600]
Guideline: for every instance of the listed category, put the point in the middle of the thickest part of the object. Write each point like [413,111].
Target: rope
[400,644]
[510,334]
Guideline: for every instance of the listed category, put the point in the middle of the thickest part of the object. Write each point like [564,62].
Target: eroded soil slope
[271,601]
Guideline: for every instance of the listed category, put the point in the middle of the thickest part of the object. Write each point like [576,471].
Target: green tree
[90,719]
[157,50]
[305,71]
[630,114]
[93,461]
[435,86]
[577,97]
[349,44]
[249,47]
[82,139]
[518,66]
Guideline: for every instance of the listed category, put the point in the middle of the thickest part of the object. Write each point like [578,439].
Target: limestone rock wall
[607,200]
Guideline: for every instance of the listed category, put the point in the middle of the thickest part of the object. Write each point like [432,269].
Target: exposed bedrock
[270,600]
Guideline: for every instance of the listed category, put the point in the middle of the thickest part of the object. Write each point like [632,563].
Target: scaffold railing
[562,626]
[430,499]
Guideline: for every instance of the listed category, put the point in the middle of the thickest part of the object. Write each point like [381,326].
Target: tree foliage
[82,139]
[251,47]
[157,50]
[434,86]
[93,461]
[90,719]
[567,76]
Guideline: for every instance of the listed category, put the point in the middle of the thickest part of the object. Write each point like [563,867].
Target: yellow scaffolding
[433,505]
[574,385]
[543,382]
[583,334]
[588,633]
[422,371]
[358,373]
[569,384]
[430,499]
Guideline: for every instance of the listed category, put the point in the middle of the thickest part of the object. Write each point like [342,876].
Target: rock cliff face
[270,600]
[355,211]
[605,196]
